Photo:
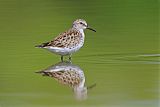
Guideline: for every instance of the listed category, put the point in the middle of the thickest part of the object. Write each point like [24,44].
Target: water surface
[122,57]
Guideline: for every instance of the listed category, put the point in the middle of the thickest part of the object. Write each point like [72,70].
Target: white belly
[64,51]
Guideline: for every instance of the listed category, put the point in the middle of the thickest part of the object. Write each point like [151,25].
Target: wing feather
[67,39]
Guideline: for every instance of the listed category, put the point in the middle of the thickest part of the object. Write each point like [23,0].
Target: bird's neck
[81,31]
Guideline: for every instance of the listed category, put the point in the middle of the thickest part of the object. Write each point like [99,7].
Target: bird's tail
[43,73]
[39,46]
[42,45]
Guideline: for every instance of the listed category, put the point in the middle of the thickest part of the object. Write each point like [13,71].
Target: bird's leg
[70,58]
[61,58]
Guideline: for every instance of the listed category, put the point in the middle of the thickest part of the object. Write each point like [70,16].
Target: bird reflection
[70,75]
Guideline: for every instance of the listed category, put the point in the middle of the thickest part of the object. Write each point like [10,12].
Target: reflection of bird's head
[80,93]
[82,90]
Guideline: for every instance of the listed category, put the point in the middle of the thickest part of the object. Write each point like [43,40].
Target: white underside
[63,51]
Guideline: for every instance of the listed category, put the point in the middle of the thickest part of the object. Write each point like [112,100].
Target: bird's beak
[91,29]
[91,86]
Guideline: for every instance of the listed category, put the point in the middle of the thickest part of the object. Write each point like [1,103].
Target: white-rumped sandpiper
[68,42]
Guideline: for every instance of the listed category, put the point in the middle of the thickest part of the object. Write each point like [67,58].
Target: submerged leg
[70,58]
[62,58]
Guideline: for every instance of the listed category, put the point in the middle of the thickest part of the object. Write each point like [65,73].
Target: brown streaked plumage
[68,39]
[69,78]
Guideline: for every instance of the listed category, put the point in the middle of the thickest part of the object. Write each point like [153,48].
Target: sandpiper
[69,41]
[70,75]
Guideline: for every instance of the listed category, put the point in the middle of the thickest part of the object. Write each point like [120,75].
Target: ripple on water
[121,58]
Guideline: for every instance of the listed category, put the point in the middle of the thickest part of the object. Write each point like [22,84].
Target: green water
[122,57]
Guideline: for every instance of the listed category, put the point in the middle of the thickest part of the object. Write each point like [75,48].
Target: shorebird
[69,41]
[70,75]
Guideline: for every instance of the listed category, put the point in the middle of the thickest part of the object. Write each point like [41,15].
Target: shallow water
[121,58]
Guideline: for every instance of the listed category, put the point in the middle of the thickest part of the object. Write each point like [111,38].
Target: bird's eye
[81,23]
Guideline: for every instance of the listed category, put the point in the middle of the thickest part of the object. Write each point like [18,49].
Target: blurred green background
[122,57]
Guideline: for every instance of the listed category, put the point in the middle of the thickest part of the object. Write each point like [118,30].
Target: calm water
[121,58]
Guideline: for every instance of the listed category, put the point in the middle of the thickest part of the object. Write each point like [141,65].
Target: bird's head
[81,24]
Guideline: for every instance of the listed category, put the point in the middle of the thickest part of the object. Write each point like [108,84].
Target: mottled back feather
[67,39]
[70,78]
